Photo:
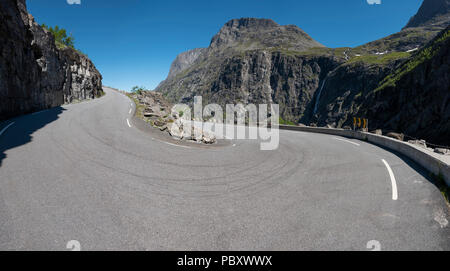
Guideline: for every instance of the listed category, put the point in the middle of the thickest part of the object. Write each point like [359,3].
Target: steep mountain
[252,34]
[415,98]
[34,73]
[184,61]
[253,61]
[431,13]
[348,89]
[259,61]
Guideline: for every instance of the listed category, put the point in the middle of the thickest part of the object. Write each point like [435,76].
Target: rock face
[251,34]
[415,98]
[251,61]
[34,74]
[432,12]
[184,61]
[259,61]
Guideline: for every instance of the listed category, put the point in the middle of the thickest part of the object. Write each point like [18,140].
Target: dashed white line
[348,141]
[393,181]
[128,122]
[130,111]
[6,128]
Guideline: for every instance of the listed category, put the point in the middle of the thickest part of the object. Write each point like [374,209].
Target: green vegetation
[316,51]
[380,59]
[395,41]
[424,55]
[62,40]
[139,107]
[138,90]
[100,93]
[286,122]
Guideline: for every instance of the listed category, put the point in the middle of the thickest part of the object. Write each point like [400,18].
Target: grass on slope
[424,55]
[380,59]
[139,107]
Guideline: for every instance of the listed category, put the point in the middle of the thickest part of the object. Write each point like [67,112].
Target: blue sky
[133,42]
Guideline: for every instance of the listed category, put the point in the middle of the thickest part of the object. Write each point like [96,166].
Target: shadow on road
[22,131]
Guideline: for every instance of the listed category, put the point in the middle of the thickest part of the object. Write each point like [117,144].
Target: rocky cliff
[259,61]
[34,73]
[431,13]
[248,61]
[415,98]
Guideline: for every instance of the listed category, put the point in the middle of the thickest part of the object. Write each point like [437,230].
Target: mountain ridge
[312,84]
[431,13]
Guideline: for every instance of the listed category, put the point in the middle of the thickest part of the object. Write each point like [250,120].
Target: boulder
[151,115]
[397,136]
[208,138]
[197,134]
[420,143]
[176,129]
[188,131]
[442,151]
[159,123]
[377,132]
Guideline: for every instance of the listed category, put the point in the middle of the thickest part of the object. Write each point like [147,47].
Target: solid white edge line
[128,122]
[175,145]
[37,113]
[348,141]
[393,181]
[6,128]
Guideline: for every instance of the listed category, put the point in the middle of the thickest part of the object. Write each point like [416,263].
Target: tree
[137,90]
[61,38]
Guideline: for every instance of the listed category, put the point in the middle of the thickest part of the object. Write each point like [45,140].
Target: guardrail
[433,162]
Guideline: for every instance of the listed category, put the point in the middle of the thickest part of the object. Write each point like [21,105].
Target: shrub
[62,40]
[137,90]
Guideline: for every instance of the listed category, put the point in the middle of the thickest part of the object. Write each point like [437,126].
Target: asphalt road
[80,172]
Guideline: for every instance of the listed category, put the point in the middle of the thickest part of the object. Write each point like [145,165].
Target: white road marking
[348,141]
[6,128]
[130,111]
[128,122]
[186,147]
[393,181]
[36,113]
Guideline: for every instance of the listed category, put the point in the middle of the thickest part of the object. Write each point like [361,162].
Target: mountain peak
[431,13]
[254,23]
[254,33]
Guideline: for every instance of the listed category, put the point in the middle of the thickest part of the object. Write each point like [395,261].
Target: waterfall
[318,97]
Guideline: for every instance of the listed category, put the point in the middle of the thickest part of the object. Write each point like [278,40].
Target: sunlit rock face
[34,73]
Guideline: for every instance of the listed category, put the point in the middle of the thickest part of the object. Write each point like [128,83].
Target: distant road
[84,172]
